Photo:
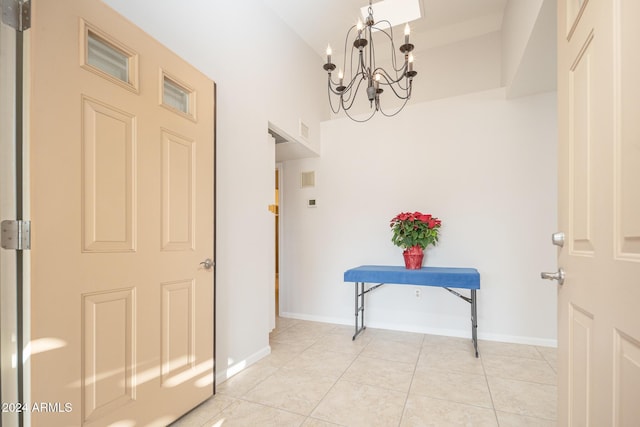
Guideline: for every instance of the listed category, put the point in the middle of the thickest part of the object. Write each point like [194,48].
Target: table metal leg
[474,320]
[362,292]
[356,309]
[474,315]
[359,308]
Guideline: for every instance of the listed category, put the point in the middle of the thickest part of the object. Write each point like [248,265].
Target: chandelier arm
[399,82]
[351,68]
[372,53]
[346,40]
[344,59]
[335,92]
[334,110]
[392,84]
[390,79]
[407,96]
[404,78]
[364,72]
[361,72]
[357,120]
[362,69]
[349,86]
[396,112]
[348,90]
[331,80]
[331,84]
[401,87]
[394,59]
[350,99]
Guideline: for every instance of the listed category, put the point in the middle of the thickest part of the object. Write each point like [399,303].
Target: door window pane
[176,96]
[107,58]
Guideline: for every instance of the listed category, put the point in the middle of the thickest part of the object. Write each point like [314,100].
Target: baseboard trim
[242,365]
[515,339]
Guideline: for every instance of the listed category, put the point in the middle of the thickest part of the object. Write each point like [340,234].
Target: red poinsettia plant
[415,229]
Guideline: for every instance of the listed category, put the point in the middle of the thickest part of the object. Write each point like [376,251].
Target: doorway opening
[286,148]
[276,217]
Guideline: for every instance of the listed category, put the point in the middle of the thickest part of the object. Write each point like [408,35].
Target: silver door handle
[558,239]
[559,276]
[207,263]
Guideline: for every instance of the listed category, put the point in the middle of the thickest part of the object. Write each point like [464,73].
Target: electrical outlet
[418,294]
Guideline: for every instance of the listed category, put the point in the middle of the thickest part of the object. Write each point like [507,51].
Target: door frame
[280,168]
[13,206]
[215,231]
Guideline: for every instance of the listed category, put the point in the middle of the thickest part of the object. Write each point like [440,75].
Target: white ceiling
[319,22]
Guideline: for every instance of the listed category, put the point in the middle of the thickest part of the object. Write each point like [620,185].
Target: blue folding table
[447,278]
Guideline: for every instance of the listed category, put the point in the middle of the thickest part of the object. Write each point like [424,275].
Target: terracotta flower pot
[413,258]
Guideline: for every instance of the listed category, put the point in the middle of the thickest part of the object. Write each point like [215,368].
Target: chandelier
[365,73]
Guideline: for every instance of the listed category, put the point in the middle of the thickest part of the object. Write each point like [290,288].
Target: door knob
[207,263]
[559,276]
[558,239]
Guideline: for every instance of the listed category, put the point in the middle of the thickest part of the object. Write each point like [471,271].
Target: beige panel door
[122,155]
[599,176]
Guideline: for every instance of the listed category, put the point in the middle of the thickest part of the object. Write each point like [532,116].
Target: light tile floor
[316,376]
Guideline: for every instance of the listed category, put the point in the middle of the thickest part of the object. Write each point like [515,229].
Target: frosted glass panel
[175,96]
[107,58]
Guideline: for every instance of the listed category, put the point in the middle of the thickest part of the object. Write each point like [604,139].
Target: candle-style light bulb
[410,62]
[407,31]
[340,76]
[359,25]
[328,54]
[377,81]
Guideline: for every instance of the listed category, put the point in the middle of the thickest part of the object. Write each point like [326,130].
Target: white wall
[467,66]
[536,70]
[483,164]
[517,25]
[263,72]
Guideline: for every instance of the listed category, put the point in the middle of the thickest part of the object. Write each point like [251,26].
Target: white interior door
[121,157]
[599,160]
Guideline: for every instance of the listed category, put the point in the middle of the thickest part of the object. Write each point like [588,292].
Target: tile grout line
[334,384]
[546,362]
[278,369]
[554,369]
[244,399]
[493,404]
[415,368]
[517,380]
